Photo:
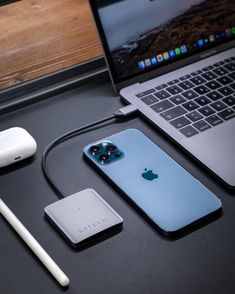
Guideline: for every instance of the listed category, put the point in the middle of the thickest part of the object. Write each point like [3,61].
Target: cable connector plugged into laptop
[125,111]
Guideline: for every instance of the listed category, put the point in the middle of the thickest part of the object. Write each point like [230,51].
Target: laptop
[175,61]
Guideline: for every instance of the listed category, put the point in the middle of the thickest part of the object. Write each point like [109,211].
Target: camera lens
[111,148]
[104,157]
[94,149]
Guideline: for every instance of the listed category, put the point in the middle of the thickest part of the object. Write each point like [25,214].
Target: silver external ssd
[82,215]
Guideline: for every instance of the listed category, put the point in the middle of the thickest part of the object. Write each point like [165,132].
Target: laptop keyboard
[198,101]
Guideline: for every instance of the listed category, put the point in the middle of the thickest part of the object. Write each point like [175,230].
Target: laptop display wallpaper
[143,34]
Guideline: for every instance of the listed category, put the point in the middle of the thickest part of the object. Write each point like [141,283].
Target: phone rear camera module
[111,148]
[103,158]
[105,152]
[94,149]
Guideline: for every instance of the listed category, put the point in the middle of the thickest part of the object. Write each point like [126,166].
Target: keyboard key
[194,116]
[208,68]
[162,106]
[219,63]
[202,90]
[195,73]
[162,94]
[150,99]
[214,95]
[229,100]
[225,91]
[174,90]
[186,77]
[190,105]
[232,86]
[178,99]
[198,80]
[220,71]
[190,94]
[225,80]
[230,66]
[186,85]
[232,75]
[180,122]
[229,59]
[163,86]
[209,76]
[218,105]
[206,111]
[227,114]
[175,81]
[173,113]
[213,85]
[202,100]
[214,120]
[150,91]
[189,131]
[201,125]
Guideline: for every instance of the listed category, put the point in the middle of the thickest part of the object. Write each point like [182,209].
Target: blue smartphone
[169,195]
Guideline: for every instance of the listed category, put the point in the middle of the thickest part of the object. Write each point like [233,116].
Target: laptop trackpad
[216,149]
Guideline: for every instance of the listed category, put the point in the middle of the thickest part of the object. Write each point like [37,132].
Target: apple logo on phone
[149,175]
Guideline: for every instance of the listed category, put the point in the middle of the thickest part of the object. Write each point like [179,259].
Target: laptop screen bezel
[144,76]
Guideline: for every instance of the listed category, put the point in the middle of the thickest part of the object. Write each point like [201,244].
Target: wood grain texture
[41,36]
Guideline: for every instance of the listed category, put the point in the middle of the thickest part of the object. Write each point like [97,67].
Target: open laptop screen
[142,35]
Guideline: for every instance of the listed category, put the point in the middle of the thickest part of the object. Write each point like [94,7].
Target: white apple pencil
[34,245]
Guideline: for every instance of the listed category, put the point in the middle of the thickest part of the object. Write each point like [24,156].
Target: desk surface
[136,260]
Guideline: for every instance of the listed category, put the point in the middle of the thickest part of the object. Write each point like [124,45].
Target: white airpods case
[15,144]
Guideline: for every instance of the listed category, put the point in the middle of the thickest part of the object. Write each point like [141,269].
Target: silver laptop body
[215,147]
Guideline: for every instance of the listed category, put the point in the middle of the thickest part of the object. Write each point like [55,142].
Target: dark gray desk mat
[137,260]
